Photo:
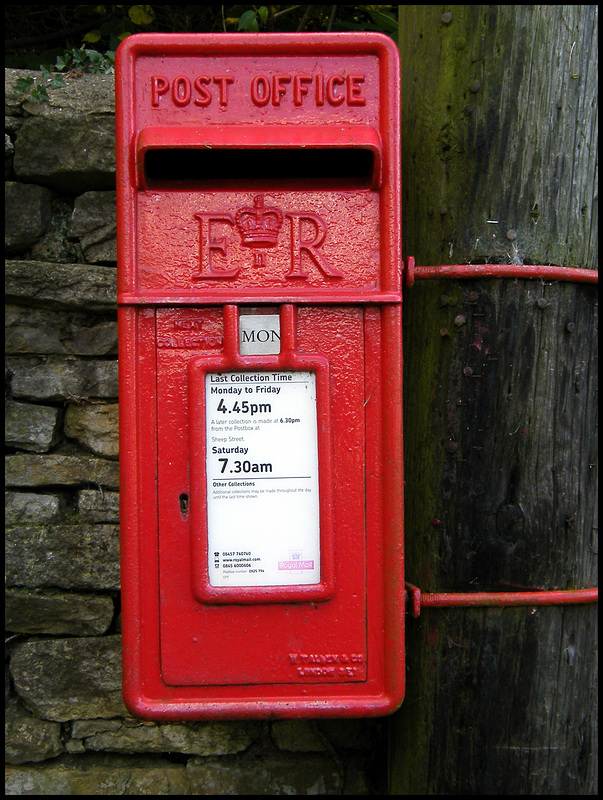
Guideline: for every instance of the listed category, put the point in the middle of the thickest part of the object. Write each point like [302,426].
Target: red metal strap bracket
[533,598]
[420,599]
[412,272]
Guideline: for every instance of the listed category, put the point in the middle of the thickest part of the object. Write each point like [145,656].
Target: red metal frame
[419,599]
[230,360]
[520,271]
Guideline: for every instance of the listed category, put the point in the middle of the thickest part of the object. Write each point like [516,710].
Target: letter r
[309,246]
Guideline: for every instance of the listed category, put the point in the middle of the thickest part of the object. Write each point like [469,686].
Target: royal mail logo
[262,227]
[296,565]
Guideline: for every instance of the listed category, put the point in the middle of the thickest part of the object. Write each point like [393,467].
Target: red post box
[260,375]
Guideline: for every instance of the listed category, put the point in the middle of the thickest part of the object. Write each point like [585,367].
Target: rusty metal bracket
[412,272]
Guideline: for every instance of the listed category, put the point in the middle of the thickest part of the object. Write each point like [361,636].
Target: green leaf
[141,15]
[262,13]
[249,22]
[39,94]
[93,36]
[23,85]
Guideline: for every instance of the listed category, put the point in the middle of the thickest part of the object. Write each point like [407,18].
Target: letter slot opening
[288,156]
[169,167]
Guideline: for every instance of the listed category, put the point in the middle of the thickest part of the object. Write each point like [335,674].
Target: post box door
[269,637]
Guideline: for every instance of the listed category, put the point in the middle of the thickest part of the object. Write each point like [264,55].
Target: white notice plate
[262,479]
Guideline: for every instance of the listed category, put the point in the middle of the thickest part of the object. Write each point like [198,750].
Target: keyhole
[183,504]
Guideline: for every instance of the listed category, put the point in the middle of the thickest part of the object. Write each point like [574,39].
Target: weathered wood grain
[499,127]
[500,414]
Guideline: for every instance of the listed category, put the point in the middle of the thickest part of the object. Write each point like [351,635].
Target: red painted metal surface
[419,599]
[519,271]
[259,174]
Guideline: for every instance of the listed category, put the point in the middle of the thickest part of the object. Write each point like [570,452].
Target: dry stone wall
[67,731]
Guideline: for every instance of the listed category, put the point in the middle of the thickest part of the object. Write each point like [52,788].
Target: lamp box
[260,369]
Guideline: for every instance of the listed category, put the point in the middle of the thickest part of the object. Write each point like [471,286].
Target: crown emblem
[259,226]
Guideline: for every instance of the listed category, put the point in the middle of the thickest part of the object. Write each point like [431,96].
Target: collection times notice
[262,478]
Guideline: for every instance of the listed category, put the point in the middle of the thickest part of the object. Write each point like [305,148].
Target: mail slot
[259,302]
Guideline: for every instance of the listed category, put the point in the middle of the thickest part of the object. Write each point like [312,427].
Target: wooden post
[499,153]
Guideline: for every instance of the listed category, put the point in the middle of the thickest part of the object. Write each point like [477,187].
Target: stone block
[56,379]
[30,427]
[27,214]
[88,288]
[50,332]
[31,508]
[29,470]
[83,94]
[57,613]
[87,163]
[95,505]
[80,557]
[95,427]
[28,738]
[94,225]
[268,775]
[193,738]
[65,679]
[99,774]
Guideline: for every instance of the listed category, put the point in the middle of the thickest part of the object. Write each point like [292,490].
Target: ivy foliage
[67,41]
[71,63]
[37,34]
